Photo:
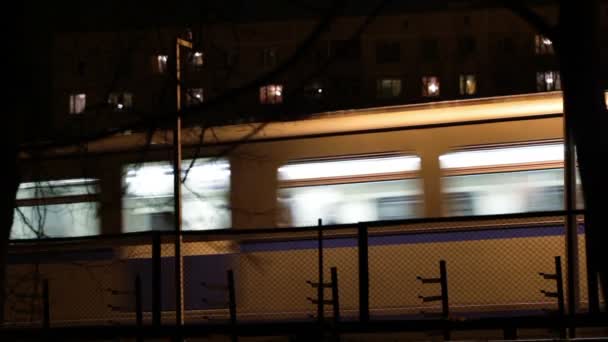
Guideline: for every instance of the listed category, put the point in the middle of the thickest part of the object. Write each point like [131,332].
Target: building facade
[102,79]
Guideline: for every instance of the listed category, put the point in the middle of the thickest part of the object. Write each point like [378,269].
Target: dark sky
[122,14]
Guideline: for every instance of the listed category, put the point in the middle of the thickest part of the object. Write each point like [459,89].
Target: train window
[349,190]
[57,208]
[392,208]
[504,179]
[148,196]
[460,203]
[544,198]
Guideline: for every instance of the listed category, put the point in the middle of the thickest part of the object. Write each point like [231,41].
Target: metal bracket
[429,280]
[115,308]
[549,294]
[316,285]
[548,276]
[430,298]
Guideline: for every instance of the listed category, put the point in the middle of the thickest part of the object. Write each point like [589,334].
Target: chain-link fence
[491,267]
[90,281]
[463,268]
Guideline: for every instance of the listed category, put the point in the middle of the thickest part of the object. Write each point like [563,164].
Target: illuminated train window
[349,190]
[57,208]
[148,196]
[501,180]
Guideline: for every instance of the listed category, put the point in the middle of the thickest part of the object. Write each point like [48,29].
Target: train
[85,221]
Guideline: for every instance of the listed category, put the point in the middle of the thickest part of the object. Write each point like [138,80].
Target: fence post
[138,308]
[335,295]
[335,300]
[572,269]
[320,289]
[363,273]
[156,280]
[445,303]
[560,286]
[46,313]
[560,296]
[232,305]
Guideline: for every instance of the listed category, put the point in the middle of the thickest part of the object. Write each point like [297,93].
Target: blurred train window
[461,203]
[57,208]
[391,208]
[148,196]
[546,198]
[500,180]
[347,190]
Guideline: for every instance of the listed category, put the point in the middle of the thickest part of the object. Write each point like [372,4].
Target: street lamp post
[177,189]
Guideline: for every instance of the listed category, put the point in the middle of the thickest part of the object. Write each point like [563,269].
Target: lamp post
[177,189]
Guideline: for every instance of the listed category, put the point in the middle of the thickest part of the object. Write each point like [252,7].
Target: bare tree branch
[167,119]
[532,18]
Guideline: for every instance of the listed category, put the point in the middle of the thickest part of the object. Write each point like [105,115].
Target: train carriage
[408,172]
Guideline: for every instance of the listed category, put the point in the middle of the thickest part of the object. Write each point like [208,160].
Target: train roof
[401,117]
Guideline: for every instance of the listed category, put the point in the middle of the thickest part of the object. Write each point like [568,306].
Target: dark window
[346,49]
[429,49]
[507,45]
[270,57]
[388,52]
[466,46]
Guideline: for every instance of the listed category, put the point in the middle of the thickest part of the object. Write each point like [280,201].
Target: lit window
[468,85]
[198,59]
[148,200]
[269,57]
[503,156]
[430,86]
[78,103]
[58,208]
[543,45]
[315,91]
[349,190]
[121,101]
[388,88]
[161,63]
[503,180]
[194,96]
[548,81]
[271,94]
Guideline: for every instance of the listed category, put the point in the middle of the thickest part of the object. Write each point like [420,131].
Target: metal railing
[331,276]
